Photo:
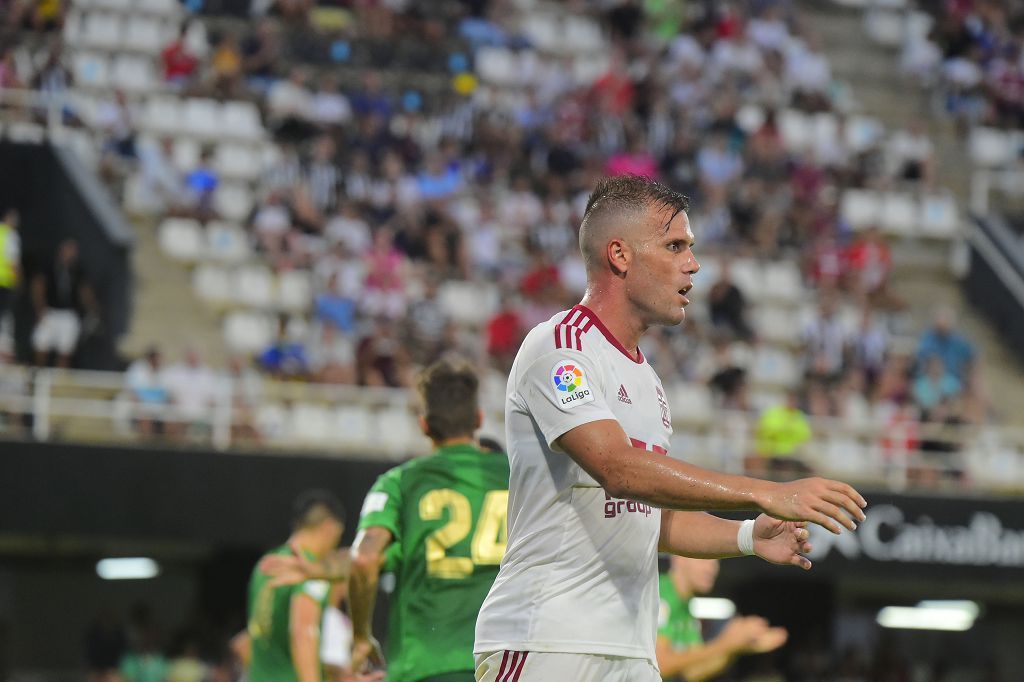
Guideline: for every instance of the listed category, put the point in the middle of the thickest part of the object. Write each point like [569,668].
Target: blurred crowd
[417,173]
[973,59]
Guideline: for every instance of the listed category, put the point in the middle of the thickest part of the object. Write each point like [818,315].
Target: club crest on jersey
[570,385]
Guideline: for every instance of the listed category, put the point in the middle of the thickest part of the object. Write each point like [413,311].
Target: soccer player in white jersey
[593,495]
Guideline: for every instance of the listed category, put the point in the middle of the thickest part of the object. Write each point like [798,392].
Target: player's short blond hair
[448,392]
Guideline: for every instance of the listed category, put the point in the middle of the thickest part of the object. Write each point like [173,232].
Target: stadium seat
[469,303]
[863,132]
[899,214]
[774,367]
[401,429]
[746,275]
[241,120]
[185,154]
[162,115]
[226,242]
[543,31]
[181,239]
[295,290]
[117,6]
[884,27]
[166,8]
[861,208]
[938,216]
[238,162]
[134,74]
[310,423]
[101,30]
[991,147]
[253,285]
[200,118]
[691,403]
[352,426]
[781,281]
[797,130]
[776,325]
[138,199]
[24,131]
[750,118]
[145,34]
[581,35]
[90,70]
[248,332]
[212,283]
[233,202]
[825,128]
[272,421]
[497,65]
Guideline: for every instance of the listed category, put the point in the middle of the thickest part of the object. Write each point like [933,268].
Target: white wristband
[745,537]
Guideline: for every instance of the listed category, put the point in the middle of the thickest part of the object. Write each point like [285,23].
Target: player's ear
[479,419]
[423,426]
[619,256]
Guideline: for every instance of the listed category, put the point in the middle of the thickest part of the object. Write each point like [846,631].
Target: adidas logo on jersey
[623,396]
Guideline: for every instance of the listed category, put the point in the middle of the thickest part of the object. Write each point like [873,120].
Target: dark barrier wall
[995,283]
[58,198]
[223,500]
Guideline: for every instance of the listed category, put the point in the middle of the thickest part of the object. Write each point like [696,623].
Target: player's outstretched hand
[366,651]
[830,504]
[782,542]
[770,640]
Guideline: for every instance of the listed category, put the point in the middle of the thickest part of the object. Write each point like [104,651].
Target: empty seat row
[994,148]
[251,331]
[137,33]
[186,240]
[901,214]
[469,303]
[778,281]
[344,428]
[254,286]
[133,74]
[161,8]
[802,132]
[202,118]
[564,34]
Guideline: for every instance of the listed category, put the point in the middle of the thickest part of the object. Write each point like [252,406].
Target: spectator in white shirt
[195,390]
[329,107]
[809,75]
[146,382]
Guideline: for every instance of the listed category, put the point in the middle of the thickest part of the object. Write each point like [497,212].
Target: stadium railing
[379,423]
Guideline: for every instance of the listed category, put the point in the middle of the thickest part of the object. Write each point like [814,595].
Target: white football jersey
[580,571]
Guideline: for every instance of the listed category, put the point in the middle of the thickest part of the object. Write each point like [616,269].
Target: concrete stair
[923,275]
[167,312]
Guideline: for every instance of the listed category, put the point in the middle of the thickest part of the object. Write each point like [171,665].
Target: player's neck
[452,442]
[615,313]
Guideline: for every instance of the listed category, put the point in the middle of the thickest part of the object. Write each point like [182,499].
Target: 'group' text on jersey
[580,571]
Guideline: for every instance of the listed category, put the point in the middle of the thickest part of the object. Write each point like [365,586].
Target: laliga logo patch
[570,384]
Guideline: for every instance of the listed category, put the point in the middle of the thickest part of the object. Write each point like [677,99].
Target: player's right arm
[380,524]
[305,636]
[603,450]
[584,427]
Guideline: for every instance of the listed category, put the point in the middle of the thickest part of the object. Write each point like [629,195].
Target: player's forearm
[305,657]
[335,566]
[696,663]
[668,483]
[698,535]
[362,594]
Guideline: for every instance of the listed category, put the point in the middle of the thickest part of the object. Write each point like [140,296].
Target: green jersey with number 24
[447,515]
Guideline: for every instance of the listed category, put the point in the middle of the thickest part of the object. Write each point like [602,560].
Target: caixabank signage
[979,536]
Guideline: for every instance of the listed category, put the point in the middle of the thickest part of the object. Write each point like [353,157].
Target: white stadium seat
[90,70]
[226,242]
[185,154]
[254,286]
[939,216]
[775,367]
[248,332]
[469,303]
[145,34]
[353,426]
[782,281]
[991,147]
[233,202]
[691,403]
[310,423]
[402,432]
[134,74]
[295,290]
[201,118]
[239,162]
[181,239]
[165,8]
[776,325]
[101,30]
[861,208]
[797,130]
[212,283]
[162,115]
[241,120]
[899,214]
[272,421]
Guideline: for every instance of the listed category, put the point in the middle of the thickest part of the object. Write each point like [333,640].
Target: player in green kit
[284,621]
[440,521]
[681,650]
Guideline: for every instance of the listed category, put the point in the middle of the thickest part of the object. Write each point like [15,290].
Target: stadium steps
[923,276]
[167,312]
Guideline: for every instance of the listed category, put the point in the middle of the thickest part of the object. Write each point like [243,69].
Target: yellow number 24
[488,545]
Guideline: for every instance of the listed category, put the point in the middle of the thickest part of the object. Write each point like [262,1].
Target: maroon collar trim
[639,359]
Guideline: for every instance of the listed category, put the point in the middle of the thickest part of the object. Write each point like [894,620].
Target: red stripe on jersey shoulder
[569,332]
